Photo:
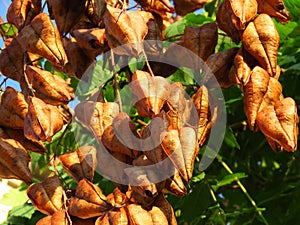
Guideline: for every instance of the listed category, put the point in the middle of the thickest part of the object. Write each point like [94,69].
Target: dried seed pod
[241,68]
[183,7]
[50,88]
[224,20]
[58,218]
[220,64]
[42,37]
[117,199]
[80,163]
[274,8]
[161,7]
[42,120]
[190,149]
[97,115]
[89,201]
[261,40]
[21,12]
[201,40]
[243,11]
[166,208]
[150,93]
[92,41]
[172,147]
[14,161]
[18,135]
[12,61]
[78,61]
[114,217]
[13,109]
[279,123]
[47,196]
[174,185]
[123,27]
[66,13]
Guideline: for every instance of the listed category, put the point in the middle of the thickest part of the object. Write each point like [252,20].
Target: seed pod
[13,109]
[47,195]
[183,7]
[14,161]
[88,201]
[80,163]
[174,185]
[150,93]
[166,208]
[161,7]
[42,120]
[97,115]
[58,218]
[261,40]
[274,8]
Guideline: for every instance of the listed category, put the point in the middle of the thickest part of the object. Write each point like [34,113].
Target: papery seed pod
[279,123]
[13,109]
[117,199]
[58,218]
[42,120]
[42,37]
[201,40]
[50,88]
[161,7]
[241,68]
[18,135]
[14,161]
[149,92]
[21,12]
[172,147]
[174,185]
[80,163]
[137,215]
[92,41]
[182,7]
[66,13]
[225,23]
[274,8]
[261,40]
[124,27]
[190,149]
[243,11]
[166,208]
[220,64]
[88,201]
[47,196]
[114,217]
[97,115]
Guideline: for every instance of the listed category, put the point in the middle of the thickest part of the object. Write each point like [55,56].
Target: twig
[147,63]
[172,37]
[3,81]
[242,187]
[115,83]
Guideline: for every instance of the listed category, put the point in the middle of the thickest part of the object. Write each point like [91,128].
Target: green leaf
[14,197]
[95,76]
[183,75]
[9,29]
[230,139]
[284,30]
[228,179]
[24,211]
[198,178]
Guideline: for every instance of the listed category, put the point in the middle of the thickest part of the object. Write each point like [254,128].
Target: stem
[174,36]
[242,187]
[147,63]
[115,83]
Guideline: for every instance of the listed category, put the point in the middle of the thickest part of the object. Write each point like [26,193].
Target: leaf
[261,40]
[14,197]
[80,163]
[230,139]
[279,123]
[13,109]
[161,7]
[198,177]
[25,211]
[47,196]
[228,179]
[66,13]
[201,40]
[183,7]
[8,30]
[48,87]
[243,11]
[42,37]
[274,8]
[42,120]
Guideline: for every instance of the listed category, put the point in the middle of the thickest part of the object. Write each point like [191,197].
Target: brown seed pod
[161,7]
[274,8]
[261,40]
[183,7]
[88,201]
[47,196]
[14,161]
[80,163]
